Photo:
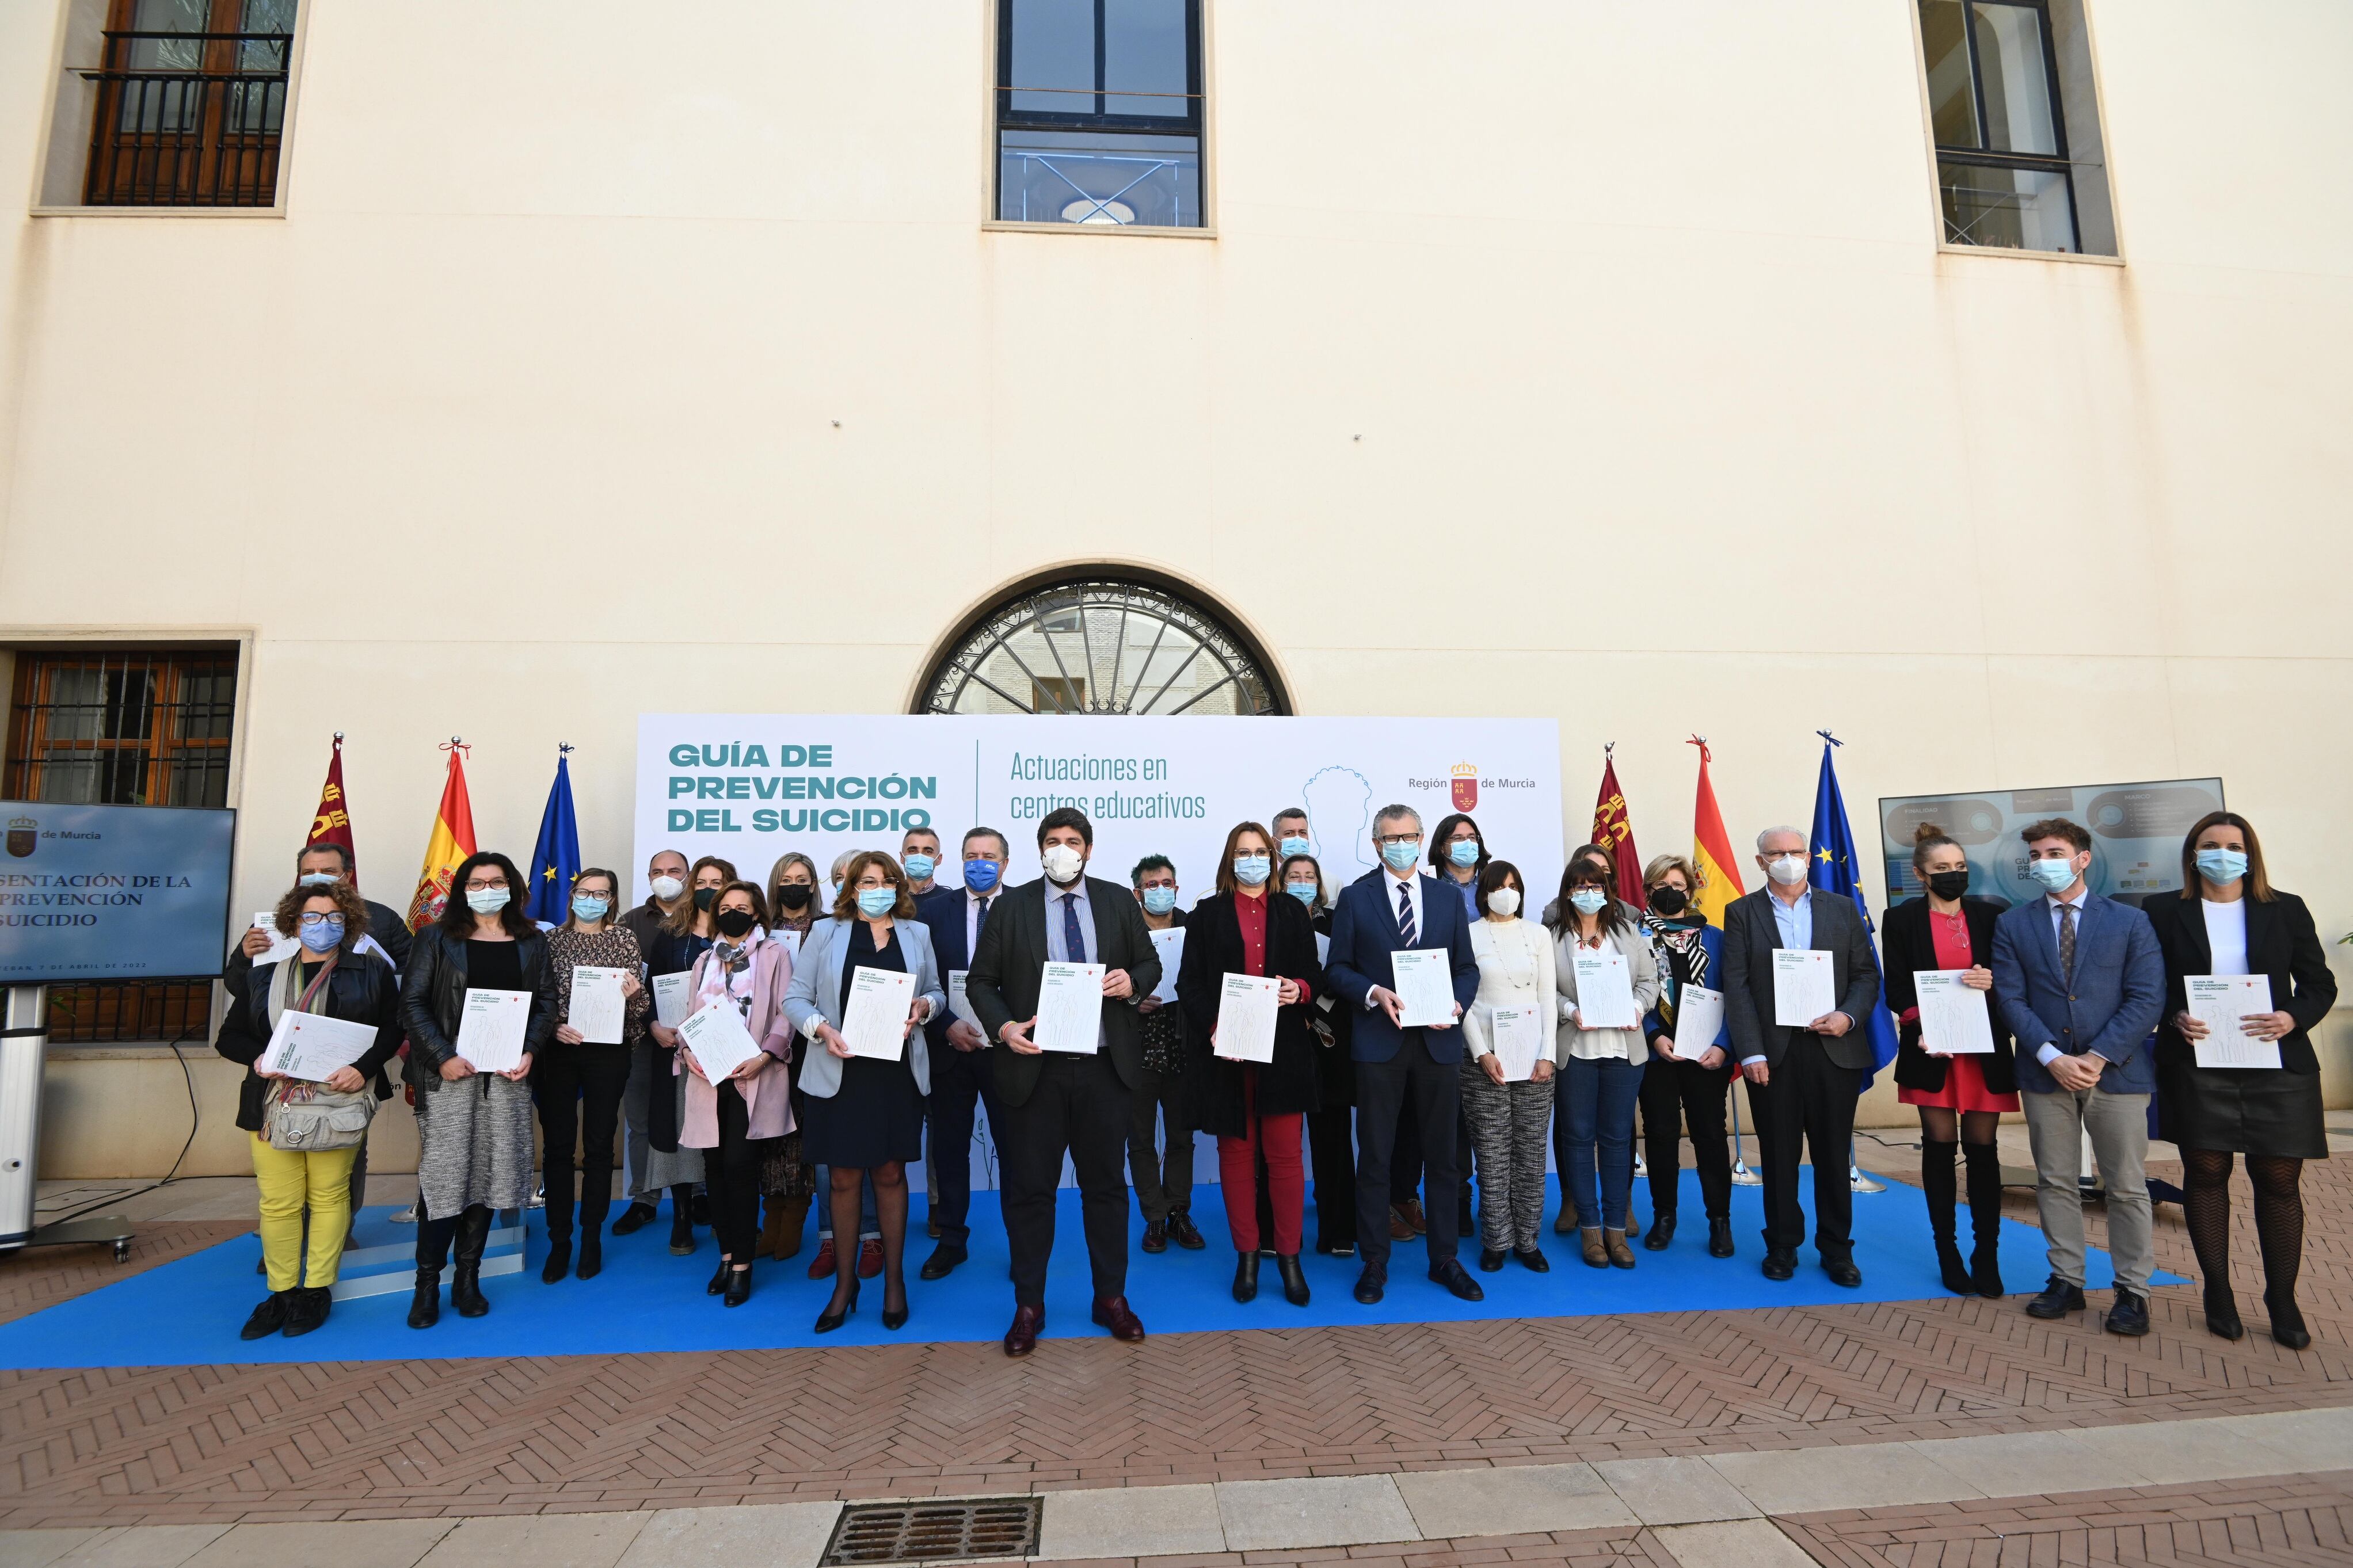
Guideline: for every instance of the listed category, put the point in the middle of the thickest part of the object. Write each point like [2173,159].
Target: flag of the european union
[1833,872]
[555,858]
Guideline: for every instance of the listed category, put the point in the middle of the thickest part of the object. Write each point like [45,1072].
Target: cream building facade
[1549,357]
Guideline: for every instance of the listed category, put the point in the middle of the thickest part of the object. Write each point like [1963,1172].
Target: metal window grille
[191,115]
[945,1531]
[1114,142]
[123,728]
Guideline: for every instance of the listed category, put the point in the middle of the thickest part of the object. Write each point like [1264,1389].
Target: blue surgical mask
[921,867]
[876,903]
[317,880]
[486,900]
[1159,900]
[1401,856]
[1589,900]
[1304,891]
[1252,870]
[589,907]
[980,876]
[2058,876]
[323,936]
[1296,844]
[1463,852]
[2220,865]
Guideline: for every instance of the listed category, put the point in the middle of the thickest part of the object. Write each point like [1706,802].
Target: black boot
[681,1219]
[559,1259]
[268,1317]
[1937,1182]
[425,1307]
[466,1284]
[1662,1228]
[1246,1276]
[1985,1218]
[1294,1279]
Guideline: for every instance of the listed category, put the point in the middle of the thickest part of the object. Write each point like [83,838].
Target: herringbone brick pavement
[377,1439]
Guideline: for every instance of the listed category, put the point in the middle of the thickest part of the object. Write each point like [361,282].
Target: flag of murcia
[1466,787]
[22,833]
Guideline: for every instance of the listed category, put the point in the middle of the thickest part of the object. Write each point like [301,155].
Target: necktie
[1405,913]
[2067,942]
[1074,944]
[979,918]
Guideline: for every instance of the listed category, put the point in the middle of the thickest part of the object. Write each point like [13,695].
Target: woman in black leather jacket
[474,1128]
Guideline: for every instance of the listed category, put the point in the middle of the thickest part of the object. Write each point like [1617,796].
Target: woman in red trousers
[1245,929]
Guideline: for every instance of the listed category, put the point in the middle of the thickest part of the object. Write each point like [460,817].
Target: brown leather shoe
[1613,1242]
[821,1266]
[1400,1227]
[1022,1337]
[1115,1315]
[1411,1209]
[870,1258]
[1596,1256]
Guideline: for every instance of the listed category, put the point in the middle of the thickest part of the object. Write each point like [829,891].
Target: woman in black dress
[2227,920]
[1331,1132]
[865,1113]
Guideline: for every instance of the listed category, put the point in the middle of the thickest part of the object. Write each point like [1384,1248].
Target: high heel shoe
[2222,1313]
[2287,1323]
[896,1320]
[1294,1279]
[1245,1277]
[739,1286]
[829,1320]
[718,1285]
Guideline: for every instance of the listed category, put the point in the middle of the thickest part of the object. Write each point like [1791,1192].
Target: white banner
[751,786]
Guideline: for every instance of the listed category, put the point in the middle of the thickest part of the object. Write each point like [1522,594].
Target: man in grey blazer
[2081,981]
[1802,1080]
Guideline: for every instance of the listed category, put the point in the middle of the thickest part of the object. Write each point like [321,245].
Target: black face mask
[734,924]
[794,895]
[705,897]
[1668,901]
[1949,884]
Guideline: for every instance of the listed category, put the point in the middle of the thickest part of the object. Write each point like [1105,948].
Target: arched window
[1105,642]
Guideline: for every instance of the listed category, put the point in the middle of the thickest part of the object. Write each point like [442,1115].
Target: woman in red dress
[1959,1097]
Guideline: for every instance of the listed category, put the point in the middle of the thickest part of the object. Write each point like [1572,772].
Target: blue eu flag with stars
[1833,862]
[555,858]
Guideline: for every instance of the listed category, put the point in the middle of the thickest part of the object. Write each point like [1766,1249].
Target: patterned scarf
[729,973]
[1673,940]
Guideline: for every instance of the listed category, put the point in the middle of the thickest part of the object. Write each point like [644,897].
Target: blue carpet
[187,1313]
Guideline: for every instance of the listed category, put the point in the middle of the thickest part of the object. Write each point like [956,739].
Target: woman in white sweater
[1508,1092]
[1600,1062]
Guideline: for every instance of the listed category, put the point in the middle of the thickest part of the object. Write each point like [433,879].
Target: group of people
[1384,1116]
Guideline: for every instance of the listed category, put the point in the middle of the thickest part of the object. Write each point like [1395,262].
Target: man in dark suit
[1802,1080]
[2081,982]
[960,1076]
[1381,913]
[1067,1101]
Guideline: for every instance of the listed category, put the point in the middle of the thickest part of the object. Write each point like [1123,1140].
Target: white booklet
[281,948]
[1699,1018]
[311,1046]
[876,1022]
[1423,979]
[2219,1002]
[1170,945]
[1953,1017]
[1069,1008]
[1517,1036]
[673,998]
[715,1032]
[1802,986]
[1246,1009]
[960,1003]
[490,1030]
[1605,992]
[597,1004]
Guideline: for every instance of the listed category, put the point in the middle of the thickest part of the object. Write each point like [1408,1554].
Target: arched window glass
[1100,644]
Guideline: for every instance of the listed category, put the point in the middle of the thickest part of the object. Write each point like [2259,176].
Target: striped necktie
[1405,914]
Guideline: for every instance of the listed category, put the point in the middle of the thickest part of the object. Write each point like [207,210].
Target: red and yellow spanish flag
[452,841]
[1719,871]
[1613,829]
[333,823]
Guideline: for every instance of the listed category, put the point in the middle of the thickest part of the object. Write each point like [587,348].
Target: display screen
[2136,832]
[113,892]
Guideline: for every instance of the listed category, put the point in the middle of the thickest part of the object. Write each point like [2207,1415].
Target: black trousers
[1079,1107]
[730,1175]
[1688,1092]
[1810,1099]
[1331,1159]
[1405,1159]
[1162,1178]
[579,1091]
[961,1081]
[1431,1091]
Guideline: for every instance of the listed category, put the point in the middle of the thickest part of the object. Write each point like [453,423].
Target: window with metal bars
[123,727]
[1999,111]
[1099,112]
[190,106]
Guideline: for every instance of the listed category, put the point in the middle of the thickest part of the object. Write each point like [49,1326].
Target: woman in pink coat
[733,1118]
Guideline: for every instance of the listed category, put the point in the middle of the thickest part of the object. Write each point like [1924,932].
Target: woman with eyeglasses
[1509,1118]
[328,976]
[579,1082]
[473,1128]
[1458,853]
[1679,1091]
[683,937]
[866,1113]
[1600,1066]
[1331,1128]
[787,1180]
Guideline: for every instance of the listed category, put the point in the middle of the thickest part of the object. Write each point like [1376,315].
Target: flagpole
[1742,1176]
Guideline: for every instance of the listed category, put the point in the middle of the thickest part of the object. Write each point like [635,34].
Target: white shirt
[2226,936]
[1413,884]
[1515,970]
[973,914]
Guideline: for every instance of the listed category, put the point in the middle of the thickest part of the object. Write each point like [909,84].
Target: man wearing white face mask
[1802,1080]
[2080,980]
[666,877]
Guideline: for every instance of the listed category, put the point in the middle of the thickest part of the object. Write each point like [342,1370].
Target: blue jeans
[1595,1130]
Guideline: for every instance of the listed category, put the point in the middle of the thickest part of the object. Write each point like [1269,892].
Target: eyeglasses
[312,920]
[474,886]
[1397,838]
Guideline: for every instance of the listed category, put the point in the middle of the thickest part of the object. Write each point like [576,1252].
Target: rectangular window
[2000,113]
[123,727]
[1099,112]
[189,106]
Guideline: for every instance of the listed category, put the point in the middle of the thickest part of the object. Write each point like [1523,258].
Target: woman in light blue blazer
[865,1112]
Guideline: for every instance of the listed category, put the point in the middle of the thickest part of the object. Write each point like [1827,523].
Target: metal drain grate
[934,1531]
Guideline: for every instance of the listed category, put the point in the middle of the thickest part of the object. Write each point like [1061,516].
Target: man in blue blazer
[2081,982]
[1381,913]
[960,1076]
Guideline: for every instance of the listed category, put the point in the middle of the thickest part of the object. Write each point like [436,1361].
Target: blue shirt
[1795,921]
